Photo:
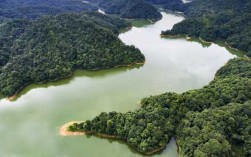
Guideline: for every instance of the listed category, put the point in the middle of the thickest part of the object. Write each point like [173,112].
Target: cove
[30,124]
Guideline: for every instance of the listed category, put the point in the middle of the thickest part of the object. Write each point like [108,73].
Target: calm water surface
[29,125]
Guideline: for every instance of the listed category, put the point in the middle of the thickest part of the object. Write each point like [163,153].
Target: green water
[29,125]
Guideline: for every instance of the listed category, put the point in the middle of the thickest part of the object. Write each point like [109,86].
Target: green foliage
[36,8]
[167,115]
[193,28]
[157,1]
[145,129]
[176,5]
[223,131]
[217,20]
[237,68]
[51,48]
[8,32]
[129,8]
[173,5]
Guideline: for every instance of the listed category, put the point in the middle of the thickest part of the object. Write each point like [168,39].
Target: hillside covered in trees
[52,47]
[157,1]
[36,8]
[176,5]
[213,20]
[223,131]
[129,8]
[212,121]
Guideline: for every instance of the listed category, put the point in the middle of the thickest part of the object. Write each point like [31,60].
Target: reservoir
[30,124]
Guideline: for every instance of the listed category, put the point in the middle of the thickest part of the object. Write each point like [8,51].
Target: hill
[36,8]
[129,8]
[52,47]
[213,20]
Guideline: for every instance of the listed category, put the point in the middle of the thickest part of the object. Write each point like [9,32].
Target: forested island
[129,8]
[213,20]
[52,47]
[212,121]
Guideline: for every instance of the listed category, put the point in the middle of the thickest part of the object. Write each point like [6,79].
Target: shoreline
[171,36]
[188,38]
[179,148]
[178,36]
[63,131]
[15,95]
[207,42]
[129,65]
[232,47]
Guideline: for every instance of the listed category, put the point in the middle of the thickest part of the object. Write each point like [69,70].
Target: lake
[30,124]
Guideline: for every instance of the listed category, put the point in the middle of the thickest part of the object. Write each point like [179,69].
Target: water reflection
[76,74]
[222,44]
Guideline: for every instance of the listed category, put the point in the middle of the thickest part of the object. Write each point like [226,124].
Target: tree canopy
[52,47]
[213,20]
[223,131]
[162,117]
[37,8]
[129,8]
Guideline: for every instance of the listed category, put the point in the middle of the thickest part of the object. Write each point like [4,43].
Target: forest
[176,5]
[183,116]
[157,1]
[129,8]
[223,131]
[52,47]
[36,8]
[214,20]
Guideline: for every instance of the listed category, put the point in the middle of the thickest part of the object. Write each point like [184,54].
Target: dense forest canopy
[223,131]
[176,5]
[157,1]
[183,116]
[129,8]
[36,8]
[50,48]
[213,20]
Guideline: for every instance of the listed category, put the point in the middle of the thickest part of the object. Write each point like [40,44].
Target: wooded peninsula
[212,121]
[213,20]
[52,47]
